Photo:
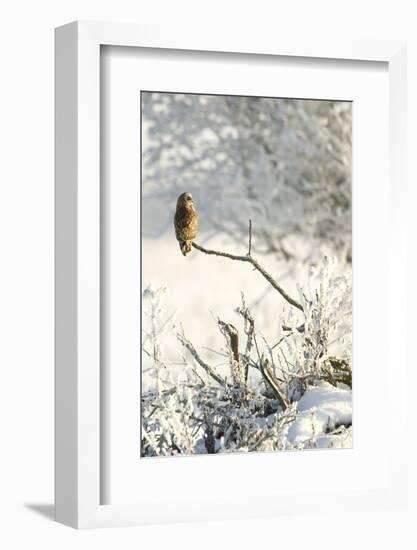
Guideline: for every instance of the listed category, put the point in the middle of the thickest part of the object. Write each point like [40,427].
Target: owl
[185,222]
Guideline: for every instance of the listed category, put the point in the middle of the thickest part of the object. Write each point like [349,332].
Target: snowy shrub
[159,327]
[299,395]
[305,348]
[275,374]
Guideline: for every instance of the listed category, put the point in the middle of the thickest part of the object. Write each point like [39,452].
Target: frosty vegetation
[286,165]
[289,394]
[287,168]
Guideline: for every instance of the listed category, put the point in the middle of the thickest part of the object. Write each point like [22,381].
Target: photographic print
[246,272]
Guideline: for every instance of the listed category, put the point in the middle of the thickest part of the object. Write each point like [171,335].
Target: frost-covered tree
[284,163]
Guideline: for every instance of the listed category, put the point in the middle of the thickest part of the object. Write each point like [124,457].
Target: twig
[214,351]
[270,378]
[286,360]
[280,340]
[232,336]
[249,331]
[188,345]
[257,349]
[249,259]
[232,339]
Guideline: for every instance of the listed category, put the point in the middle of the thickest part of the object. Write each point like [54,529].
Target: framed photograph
[223,209]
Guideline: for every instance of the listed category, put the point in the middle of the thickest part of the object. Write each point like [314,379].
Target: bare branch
[249,259]
[271,380]
[232,338]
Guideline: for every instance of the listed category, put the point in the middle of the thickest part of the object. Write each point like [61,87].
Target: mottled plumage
[185,222]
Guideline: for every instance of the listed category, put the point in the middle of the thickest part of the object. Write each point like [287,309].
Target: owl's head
[185,199]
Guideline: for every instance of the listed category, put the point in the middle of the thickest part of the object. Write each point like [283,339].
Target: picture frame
[78,407]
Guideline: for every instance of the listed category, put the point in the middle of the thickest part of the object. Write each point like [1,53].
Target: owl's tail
[185,247]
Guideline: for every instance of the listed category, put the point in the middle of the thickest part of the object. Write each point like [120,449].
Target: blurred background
[283,163]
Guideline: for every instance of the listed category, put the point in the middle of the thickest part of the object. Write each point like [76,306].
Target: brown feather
[185,247]
[185,222]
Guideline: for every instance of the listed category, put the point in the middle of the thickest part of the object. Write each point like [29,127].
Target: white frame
[77,227]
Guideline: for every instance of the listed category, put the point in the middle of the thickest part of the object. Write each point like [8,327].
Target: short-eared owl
[185,222]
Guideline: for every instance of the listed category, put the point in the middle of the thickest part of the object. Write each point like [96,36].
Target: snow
[335,401]
[322,409]
[296,191]
[198,291]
